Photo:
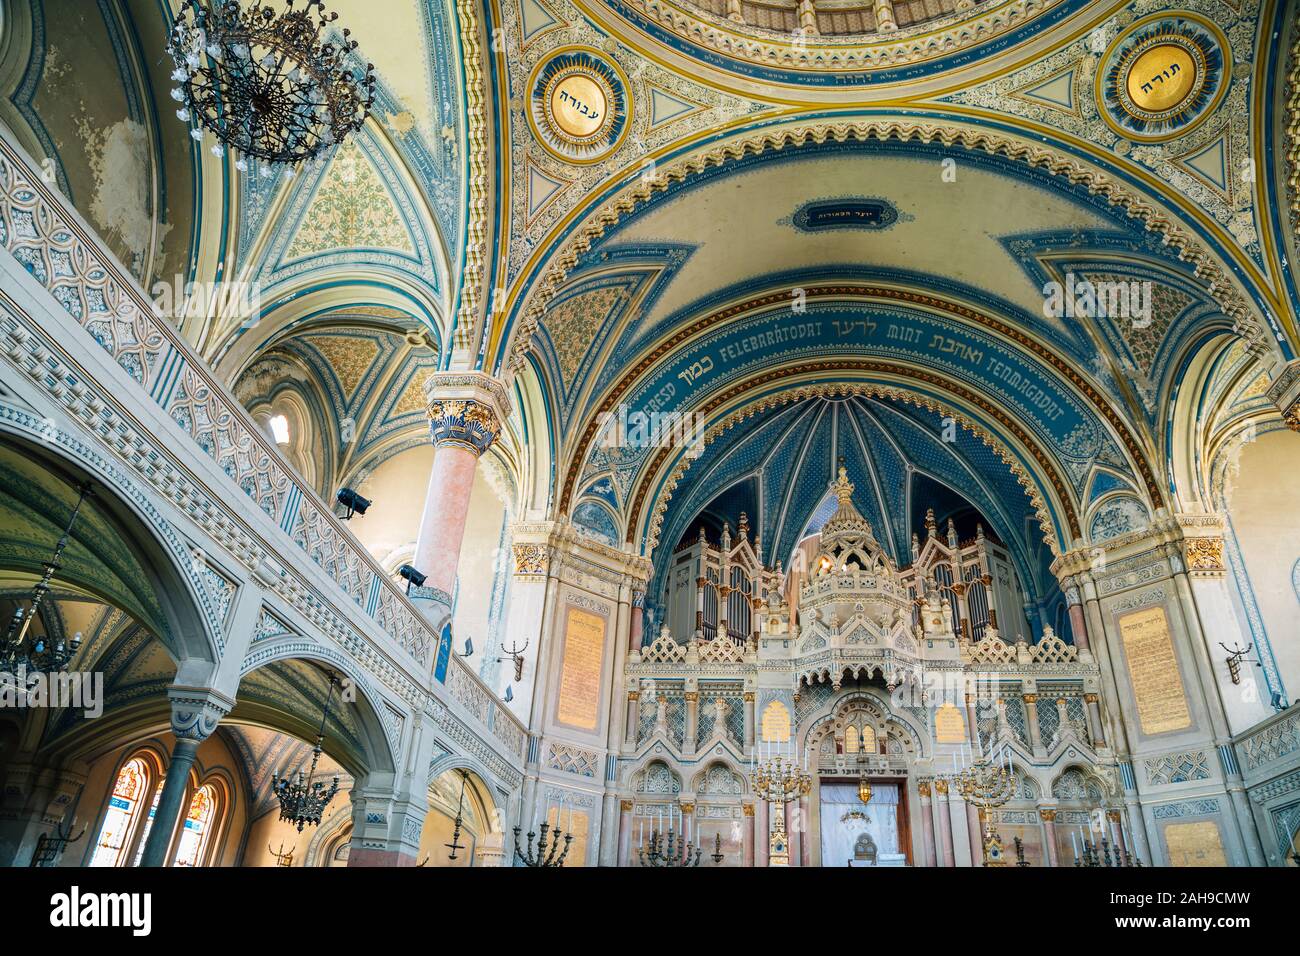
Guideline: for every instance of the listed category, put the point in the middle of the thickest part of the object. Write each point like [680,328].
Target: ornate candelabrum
[549,851]
[987,785]
[668,850]
[777,781]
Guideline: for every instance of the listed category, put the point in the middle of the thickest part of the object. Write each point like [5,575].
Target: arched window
[850,739]
[200,822]
[125,805]
[869,739]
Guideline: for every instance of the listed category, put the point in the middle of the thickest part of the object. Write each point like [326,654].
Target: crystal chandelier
[266,86]
[41,655]
[303,801]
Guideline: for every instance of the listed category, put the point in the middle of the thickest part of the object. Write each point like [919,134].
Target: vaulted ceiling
[795,215]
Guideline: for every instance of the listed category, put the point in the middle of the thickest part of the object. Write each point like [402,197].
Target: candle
[1074,841]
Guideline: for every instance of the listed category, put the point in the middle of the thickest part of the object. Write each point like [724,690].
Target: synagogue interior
[649,433]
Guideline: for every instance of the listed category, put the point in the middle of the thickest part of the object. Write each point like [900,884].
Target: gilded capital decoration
[941,787]
[747,809]
[688,808]
[633,696]
[749,696]
[626,805]
[691,696]
[923,788]
[530,559]
[1112,816]
[1090,698]
[463,422]
[1204,555]
[1030,698]
[1048,816]
[466,409]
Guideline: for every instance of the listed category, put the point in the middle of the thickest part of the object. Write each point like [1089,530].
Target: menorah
[776,782]
[987,785]
[548,854]
[1103,854]
[668,850]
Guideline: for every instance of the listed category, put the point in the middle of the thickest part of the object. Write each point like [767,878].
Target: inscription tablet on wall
[1153,671]
[584,653]
[1195,844]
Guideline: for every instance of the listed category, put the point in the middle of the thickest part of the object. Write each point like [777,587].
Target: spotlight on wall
[510,694]
[412,576]
[469,648]
[353,502]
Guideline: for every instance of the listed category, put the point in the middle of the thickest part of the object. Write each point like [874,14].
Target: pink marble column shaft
[945,828]
[927,828]
[446,506]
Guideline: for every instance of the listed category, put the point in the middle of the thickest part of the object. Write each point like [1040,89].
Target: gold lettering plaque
[1195,844]
[776,723]
[584,655]
[578,105]
[1153,671]
[1161,77]
[949,725]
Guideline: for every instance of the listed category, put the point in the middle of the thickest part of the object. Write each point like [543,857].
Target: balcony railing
[42,231]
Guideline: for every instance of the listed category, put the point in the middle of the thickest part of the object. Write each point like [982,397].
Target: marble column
[1031,719]
[749,719]
[1092,708]
[466,411]
[945,823]
[805,831]
[976,832]
[1078,627]
[747,833]
[1048,816]
[196,712]
[625,808]
[692,723]
[794,831]
[638,621]
[927,825]
[633,718]
[761,843]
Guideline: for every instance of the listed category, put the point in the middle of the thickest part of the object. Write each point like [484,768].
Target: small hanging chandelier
[303,802]
[40,655]
[266,86]
[864,789]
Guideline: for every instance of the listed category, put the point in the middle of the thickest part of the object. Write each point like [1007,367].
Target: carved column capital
[1284,392]
[466,409]
[941,787]
[626,805]
[196,711]
[923,788]
[1047,814]
[747,809]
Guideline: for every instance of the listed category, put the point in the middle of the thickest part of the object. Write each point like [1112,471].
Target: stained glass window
[124,805]
[197,827]
[148,824]
[850,739]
